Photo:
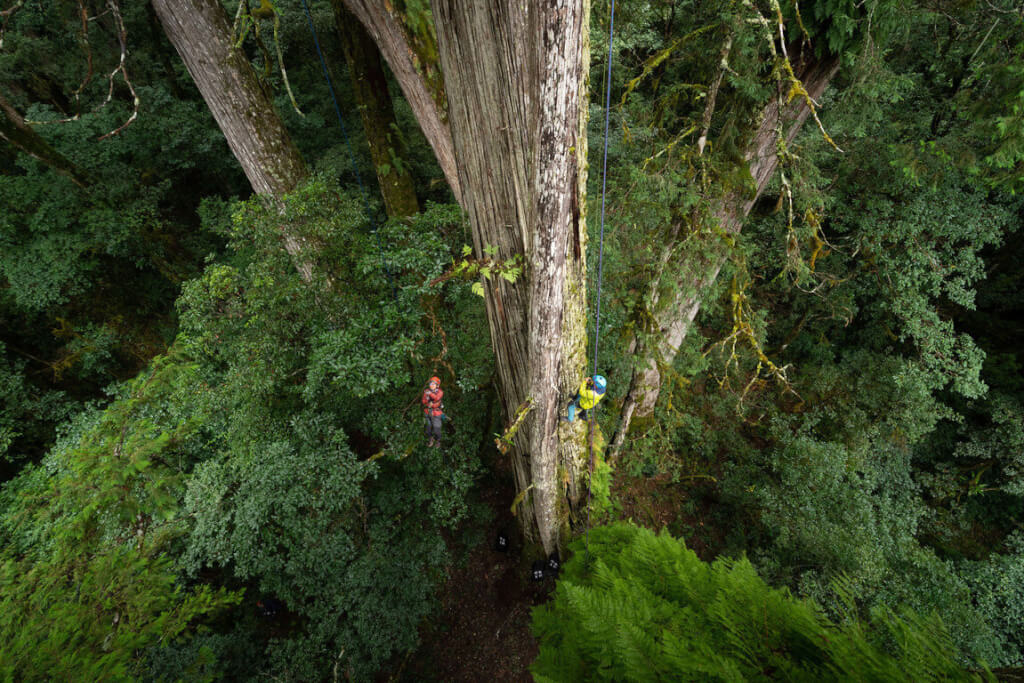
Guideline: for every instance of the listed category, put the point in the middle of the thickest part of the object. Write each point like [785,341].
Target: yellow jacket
[588,397]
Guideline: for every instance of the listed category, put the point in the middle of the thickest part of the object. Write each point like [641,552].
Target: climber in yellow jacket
[591,390]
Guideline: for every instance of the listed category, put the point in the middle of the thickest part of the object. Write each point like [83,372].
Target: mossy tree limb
[671,319]
[419,81]
[20,135]
[387,148]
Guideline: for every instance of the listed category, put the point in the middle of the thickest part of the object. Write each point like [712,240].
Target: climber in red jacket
[433,411]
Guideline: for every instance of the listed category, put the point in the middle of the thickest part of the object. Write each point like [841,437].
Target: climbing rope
[351,155]
[600,255]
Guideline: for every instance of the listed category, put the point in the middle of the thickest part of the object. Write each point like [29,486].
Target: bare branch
[240,15]
[7,13]
[983,40]
[84,15]
[280,63]
[709,108]
[122,39]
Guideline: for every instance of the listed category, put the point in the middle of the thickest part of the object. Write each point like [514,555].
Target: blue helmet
[599,384]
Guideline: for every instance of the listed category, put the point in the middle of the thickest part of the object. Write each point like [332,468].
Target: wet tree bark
[515,82]
[201,34]
[387,149]
[674,317]
[20,135]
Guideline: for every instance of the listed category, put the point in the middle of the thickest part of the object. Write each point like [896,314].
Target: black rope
[351,155]
[600,257]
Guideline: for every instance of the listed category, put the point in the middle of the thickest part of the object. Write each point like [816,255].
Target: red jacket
[432,403]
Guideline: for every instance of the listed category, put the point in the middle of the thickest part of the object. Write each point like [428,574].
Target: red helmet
[436,380]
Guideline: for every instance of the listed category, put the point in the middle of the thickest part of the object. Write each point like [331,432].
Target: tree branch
[14,130]
[385,27]
[6,16]
[122,39]
[709,110]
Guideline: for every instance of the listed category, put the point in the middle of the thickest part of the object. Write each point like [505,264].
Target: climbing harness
[433,411]
[600,256]
[351,155]
[590,393]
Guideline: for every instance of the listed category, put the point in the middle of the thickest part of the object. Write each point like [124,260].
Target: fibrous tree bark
[514,81]
[671,319]
[387,149]
[201,33]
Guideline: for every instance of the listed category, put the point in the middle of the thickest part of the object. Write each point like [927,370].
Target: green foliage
[22,406]
[87,581]
[487,268]
[90,274]
[277,448]
[639,606]
[886,457]
[92,626]
[996,586]
[268,451]
[316,488]
[846,28]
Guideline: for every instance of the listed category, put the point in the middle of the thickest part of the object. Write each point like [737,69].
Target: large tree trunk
[515,85]
[387,149]
[14,130]
[417,75]
[201,33]
[692,278]
[515,79]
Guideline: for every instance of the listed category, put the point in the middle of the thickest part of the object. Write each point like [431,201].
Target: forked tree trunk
[692,278]
[515,85]
[410,67]
[387,149]
[201,33]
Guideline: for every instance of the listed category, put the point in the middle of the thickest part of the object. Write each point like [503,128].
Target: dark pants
[433,426]
[580,413]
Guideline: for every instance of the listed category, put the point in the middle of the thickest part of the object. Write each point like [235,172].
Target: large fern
[637,606]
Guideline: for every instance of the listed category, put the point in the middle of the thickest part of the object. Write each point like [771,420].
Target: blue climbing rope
[600,253]
[351,155]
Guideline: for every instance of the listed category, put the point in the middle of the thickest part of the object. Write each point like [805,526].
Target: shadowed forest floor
[481,631]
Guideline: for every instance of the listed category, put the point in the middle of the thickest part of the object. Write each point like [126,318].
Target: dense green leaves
[237,456]
[884,456]
[633,606]
[314,487]
[88,582]
[276,450]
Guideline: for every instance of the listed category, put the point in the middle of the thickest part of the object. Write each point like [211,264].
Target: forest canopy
[238,239]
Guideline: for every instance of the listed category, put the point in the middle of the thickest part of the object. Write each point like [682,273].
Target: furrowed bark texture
[512,144]
[385,27]
[674,317]
[557,325]
[20,135]
[514,75]
[201,33]
[375,108]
